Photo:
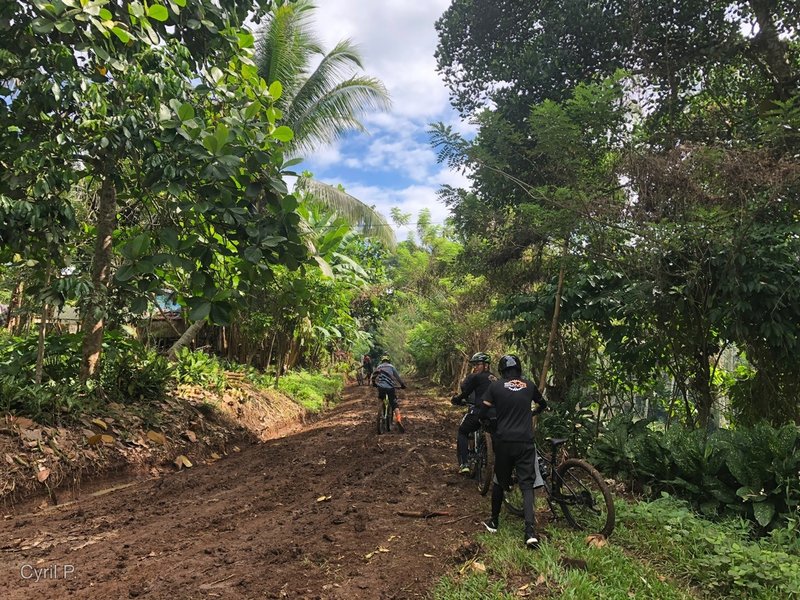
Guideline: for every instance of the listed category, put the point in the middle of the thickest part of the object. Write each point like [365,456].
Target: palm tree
[322,104]
[369,222]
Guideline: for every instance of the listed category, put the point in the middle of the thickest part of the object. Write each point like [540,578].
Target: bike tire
[585,498]
[485,464]
[383,420]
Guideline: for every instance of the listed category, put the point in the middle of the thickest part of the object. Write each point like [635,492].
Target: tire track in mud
[309,515]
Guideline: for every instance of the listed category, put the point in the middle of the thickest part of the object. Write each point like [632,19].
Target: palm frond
[321,105]
[337,66]
[327,116]
[371,222]
[286,46]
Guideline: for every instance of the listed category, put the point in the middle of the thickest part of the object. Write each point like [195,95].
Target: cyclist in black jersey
[512,397]
[472,389]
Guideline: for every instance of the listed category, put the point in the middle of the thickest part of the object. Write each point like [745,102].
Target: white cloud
[327,156]
[411,199]
[449,177]
[397,40]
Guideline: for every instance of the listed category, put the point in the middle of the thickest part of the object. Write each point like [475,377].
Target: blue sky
[394,165]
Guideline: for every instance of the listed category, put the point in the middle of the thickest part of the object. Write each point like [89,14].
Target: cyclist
[472,389]
[512,397]
[385,377]
[366,364]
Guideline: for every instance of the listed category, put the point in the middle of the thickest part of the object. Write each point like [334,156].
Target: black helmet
[509,361]
[480,357]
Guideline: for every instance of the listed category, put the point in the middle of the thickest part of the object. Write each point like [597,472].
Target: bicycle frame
[385,414]
[576,487]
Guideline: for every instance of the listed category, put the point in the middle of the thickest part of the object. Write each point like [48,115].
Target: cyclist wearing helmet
[472,389]
[512,397]
[366,364]
[385,377]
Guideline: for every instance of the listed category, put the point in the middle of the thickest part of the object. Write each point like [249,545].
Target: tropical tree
[321,104]
[163,112]
[369,221]
[326,102]
[673,184]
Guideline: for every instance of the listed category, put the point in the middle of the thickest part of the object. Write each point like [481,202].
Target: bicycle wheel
[485,463]
[472,454]
[383,419]
[584,497]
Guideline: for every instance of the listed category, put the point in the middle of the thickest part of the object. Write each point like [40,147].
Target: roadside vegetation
[660,549]
[631,229]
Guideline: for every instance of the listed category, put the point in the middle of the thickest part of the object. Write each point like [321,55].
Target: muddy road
[310,515]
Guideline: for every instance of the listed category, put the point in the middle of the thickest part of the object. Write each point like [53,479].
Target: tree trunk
[186,339]
[554,323]
[704,397]
[280,361]
[94,319]
[269,354]
[40,345]
[14,307]
[774,49]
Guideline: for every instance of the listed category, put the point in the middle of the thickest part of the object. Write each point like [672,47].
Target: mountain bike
[385,415]
[575,486]
[481,458]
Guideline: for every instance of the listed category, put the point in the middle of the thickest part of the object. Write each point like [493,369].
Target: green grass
[721,557]
[311,390]
[660,550]
[610,573]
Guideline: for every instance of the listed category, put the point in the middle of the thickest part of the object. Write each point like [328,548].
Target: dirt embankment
[191,426]
[313,514]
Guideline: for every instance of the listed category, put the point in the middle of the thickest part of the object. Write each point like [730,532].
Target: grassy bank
[660,550]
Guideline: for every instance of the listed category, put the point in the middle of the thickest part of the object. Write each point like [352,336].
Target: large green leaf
[764,511]
[158,12]
[283,134]
[200,309]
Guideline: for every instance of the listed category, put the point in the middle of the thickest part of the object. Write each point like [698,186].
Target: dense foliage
[631,229]
[143,160]
[659,550]
[653,157]
[752,472]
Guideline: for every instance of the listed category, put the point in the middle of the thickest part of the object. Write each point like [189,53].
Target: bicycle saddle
[556,442]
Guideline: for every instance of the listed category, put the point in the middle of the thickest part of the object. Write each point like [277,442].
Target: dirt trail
[255,524]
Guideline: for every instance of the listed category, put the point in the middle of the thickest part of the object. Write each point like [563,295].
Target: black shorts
[388,393]
[511,455]
[469,424]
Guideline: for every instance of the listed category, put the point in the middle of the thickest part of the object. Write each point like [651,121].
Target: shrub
[132,373]
[49,403]
[129,373]
[718,555]
[200,368]
[572,420]
[311,390]
[753,472]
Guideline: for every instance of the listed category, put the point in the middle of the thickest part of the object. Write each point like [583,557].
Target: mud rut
[309,515]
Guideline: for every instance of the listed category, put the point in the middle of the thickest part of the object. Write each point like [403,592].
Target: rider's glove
[402,387]
[456,400]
